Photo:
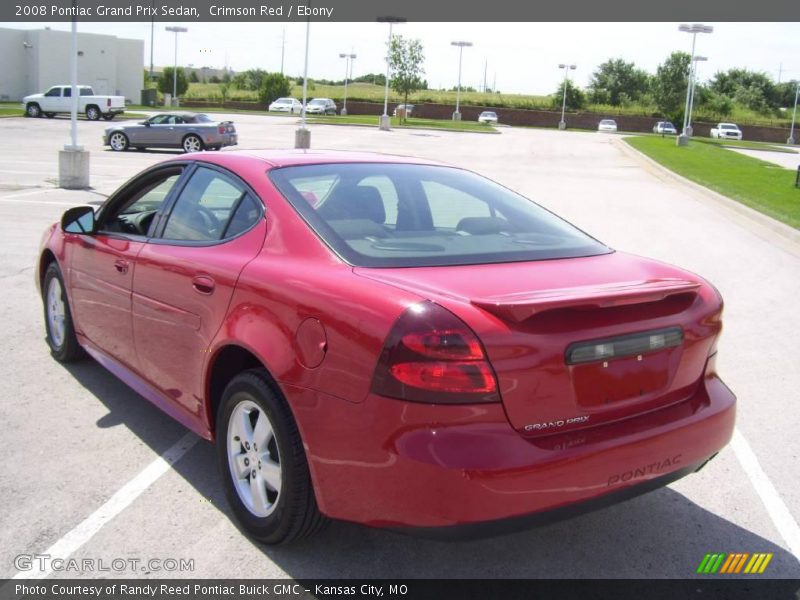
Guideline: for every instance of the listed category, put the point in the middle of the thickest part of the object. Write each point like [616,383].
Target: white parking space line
[84,531]
[778,511]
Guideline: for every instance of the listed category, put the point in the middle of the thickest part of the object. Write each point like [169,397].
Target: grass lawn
[411,123]
[758,184]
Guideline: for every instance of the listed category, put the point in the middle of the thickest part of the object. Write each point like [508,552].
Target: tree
[750,88]
[405,65]
[165,81]
[669,85]
[614,78]
[273,86]
[193,77]
[718,104]
[374,78]
[576,98]
[252,79]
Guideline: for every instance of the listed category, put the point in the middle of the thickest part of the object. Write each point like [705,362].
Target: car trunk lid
[579,342]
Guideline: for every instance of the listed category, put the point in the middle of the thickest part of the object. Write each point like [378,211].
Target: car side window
[208,209]
[67,92]
[54,92]
[136,211]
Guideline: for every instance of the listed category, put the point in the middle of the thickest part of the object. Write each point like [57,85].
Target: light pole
[302,136]
[693,84]
[348,66]
[152,36]
[686,133]
[562,124]
[461,46]
[384,123]
[794,115]
[176,31]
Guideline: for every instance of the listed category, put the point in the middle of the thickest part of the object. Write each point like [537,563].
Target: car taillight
[221,128]
[433,356]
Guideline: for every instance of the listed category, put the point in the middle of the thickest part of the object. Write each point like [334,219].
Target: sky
[520,57]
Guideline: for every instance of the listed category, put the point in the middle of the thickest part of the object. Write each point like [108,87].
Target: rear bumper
[395,464]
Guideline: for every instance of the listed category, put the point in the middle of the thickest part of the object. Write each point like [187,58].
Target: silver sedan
[192,132]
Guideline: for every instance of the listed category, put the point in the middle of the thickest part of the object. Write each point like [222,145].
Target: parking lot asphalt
[82,476]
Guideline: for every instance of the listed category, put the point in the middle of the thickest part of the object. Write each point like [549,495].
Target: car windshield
[283,101]
[318,101]
[728,126]
[404,215]
[488,114]
[607,122]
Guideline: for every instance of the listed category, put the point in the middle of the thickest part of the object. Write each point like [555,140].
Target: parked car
[389,341]
[289,105]
[409,108]
[192,132]
[58,99]
[726,131]
[321,106]
[607,125]
[488,116]
[665,128]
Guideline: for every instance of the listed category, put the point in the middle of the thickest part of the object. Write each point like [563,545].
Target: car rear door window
[212,206]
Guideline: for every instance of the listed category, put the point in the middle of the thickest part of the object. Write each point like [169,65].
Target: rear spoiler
[520,306]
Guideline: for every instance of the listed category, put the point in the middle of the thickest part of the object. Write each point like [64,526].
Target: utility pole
[283,48]
[485,66]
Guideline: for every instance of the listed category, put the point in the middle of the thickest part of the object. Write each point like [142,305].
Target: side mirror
[78,220]
[145,123]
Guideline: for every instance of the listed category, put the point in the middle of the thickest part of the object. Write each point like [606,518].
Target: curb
[762,225]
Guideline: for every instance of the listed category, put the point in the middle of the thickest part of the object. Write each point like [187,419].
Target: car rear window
[405,215]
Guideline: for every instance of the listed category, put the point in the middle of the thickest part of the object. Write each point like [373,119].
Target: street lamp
[686,133]
[176,31]
[461,46]
[384,123]
[562,124]
[794,115]
[348,68]
[693,83]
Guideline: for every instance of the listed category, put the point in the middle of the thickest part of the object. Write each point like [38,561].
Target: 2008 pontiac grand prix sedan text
[389,341]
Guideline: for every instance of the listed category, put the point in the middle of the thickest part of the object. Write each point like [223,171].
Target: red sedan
[389,341]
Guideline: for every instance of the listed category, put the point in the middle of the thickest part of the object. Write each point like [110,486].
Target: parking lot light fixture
[348,67]
[562,124]
[790,141]
[461,45]
[693,83]
[176,31]
[384,123]
[686,132]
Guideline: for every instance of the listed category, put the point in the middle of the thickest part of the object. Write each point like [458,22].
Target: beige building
[35,59]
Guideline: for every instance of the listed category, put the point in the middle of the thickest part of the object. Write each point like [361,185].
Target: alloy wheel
[56,313]
[253,458]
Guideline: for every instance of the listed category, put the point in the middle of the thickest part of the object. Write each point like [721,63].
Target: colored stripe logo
[734,563]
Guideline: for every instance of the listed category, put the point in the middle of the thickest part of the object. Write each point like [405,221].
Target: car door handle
[121,266]
[203,284]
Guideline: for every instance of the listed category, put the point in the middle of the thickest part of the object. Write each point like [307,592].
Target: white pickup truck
[58,99]
[726,131]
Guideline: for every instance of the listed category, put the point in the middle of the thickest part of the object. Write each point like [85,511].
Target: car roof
[179,113]
[273,159]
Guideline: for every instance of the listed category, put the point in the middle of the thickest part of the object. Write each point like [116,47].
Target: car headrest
[354,202]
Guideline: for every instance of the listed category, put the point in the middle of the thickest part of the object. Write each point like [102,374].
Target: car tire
[64,346]
[33,111]
[109,116]
[141,148]
[279,505]
[192,143]
[118,141]
[93,113]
